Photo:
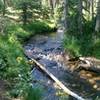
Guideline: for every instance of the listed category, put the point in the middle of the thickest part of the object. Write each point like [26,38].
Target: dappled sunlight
[50,49]
[92,78]
[12,38]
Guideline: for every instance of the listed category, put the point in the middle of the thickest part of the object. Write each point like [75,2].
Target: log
[88,63]
[92,64]
[58,82]
[15,18]
[91,59]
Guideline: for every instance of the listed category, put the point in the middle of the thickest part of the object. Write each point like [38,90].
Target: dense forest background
[22,19]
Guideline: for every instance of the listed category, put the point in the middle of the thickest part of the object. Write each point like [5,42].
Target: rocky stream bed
[48,49]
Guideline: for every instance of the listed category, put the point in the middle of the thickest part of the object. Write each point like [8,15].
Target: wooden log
[59,83]
[88,63]
[92,64]
[15,18]
[91,59]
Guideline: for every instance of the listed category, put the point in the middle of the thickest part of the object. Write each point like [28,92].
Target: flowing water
[48,50]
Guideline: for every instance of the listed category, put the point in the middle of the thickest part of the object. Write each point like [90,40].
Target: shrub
[85,46]
[96,49]
[18,31]
[38,27]
[24,32]
[71,45]
[33,94]
[86,43]
[13,64]
[15,69]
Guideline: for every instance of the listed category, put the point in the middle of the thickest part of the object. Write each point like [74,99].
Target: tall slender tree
[4,7]
[97,26]
[92,9]
[80,16]
[66,15]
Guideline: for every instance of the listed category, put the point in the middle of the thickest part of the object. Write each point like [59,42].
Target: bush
[38,27]
[18,31]
[33,94]
[71,45]
[96,49]
[15,69]
[13,64]
[87,45]
[24,32]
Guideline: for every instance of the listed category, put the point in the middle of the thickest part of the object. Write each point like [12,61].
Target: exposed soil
[3,86]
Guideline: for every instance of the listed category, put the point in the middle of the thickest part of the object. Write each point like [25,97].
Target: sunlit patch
[60,93]
[19,59]
[92,78]
[12,38]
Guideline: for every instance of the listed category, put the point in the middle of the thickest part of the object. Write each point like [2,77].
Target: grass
[71,45]
[13,64]
[86,46]
[96,48]
[15,69]
[33,94]
[25,32]
[38,27]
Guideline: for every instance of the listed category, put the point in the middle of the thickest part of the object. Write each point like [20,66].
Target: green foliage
[71,45]
[1,5]
[38,27]
[97,98]
[32,9]
[85,45]
[13,64]
[12,53]
[86,42]
[4,24]
[33,94]
[24,32]
[89,27]
[96,48]
[15,69]
[26,11]
[18,30]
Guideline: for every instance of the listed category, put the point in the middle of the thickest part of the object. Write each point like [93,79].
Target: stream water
[48,49]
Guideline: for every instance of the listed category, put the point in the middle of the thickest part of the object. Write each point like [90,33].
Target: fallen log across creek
[57,81]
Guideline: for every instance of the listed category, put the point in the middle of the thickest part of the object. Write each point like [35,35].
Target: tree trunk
[52,6]
[80,16]
[97,26]
[91,63]
[92,9]
[88,63]
[4,7]
[66,15]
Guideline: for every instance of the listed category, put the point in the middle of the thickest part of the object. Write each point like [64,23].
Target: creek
[48,50]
